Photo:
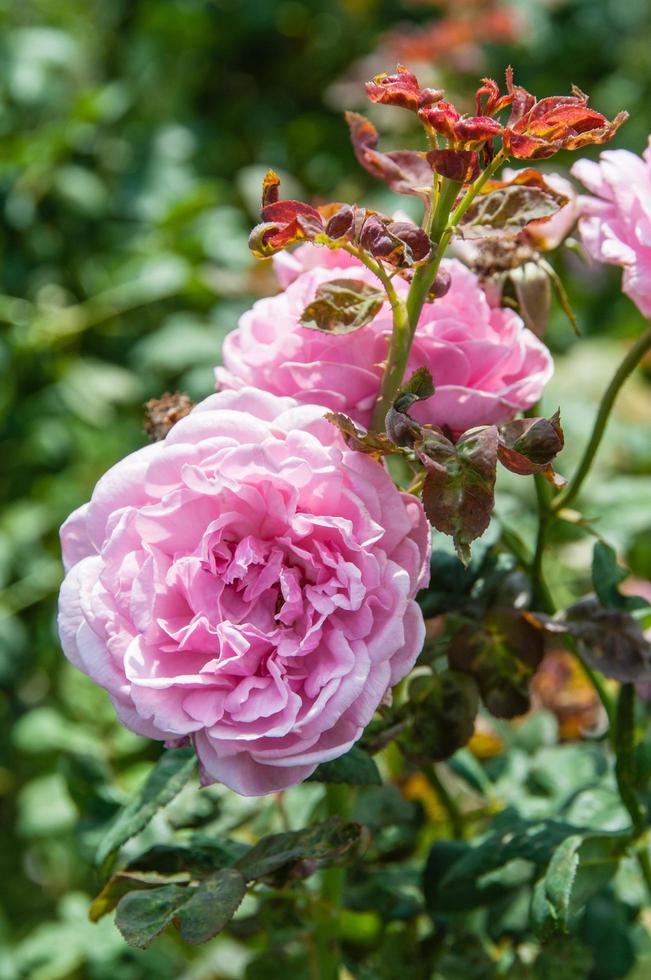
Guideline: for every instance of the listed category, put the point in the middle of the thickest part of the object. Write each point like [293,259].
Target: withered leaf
[373,443]
[502,654]
[504,212]
[442,716]
[458,493]
[342,306]
[610,640]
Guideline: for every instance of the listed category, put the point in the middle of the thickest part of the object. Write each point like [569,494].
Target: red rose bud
[376,239]
[413,237]
[459,165]
[440,286]
[340,223]
[401,89]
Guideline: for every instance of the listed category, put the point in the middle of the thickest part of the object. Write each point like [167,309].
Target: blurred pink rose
[487,366]
[615,225]
[247,582]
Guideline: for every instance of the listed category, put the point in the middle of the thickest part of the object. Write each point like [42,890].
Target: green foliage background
[134,135]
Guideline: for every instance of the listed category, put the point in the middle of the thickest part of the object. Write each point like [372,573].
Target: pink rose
[248,582]
[615,225]
[487,366]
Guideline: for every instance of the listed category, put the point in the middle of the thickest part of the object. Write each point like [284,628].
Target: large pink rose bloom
[248,582]
[487,366]
[615,224]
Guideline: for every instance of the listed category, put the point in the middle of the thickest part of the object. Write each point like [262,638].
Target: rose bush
[486,364]
[248,582]
[615,222]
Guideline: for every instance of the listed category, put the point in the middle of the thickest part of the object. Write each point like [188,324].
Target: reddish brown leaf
[459,165]
[458,493]
[342,306]
[355,437]
[404,171]
[401,89]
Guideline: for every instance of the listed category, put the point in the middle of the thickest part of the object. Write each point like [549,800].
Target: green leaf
[142,915]
[501,653]
[441,719]
[200,856]
[419,388]
[123,882]
[563,958]
[504,212]
[199,912]
[211,906]
[458,493]
[460,876]
[279,854]
[607,576]
[551,901]
[343,306]
[166,779]
[356,767]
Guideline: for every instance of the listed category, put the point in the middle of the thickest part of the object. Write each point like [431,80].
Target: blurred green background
[134,137]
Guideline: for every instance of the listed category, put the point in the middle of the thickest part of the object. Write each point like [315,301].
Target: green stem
[397,356]
[541,593]
[447,801]
[625,773]
[624,748]
[333,881]
[440,227]
[628,365]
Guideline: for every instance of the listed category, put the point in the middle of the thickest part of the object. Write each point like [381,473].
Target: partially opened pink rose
[487,366]
[248,582]
[615,224]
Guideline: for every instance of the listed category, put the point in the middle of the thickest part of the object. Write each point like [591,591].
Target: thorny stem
[627,366]
[440,227]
